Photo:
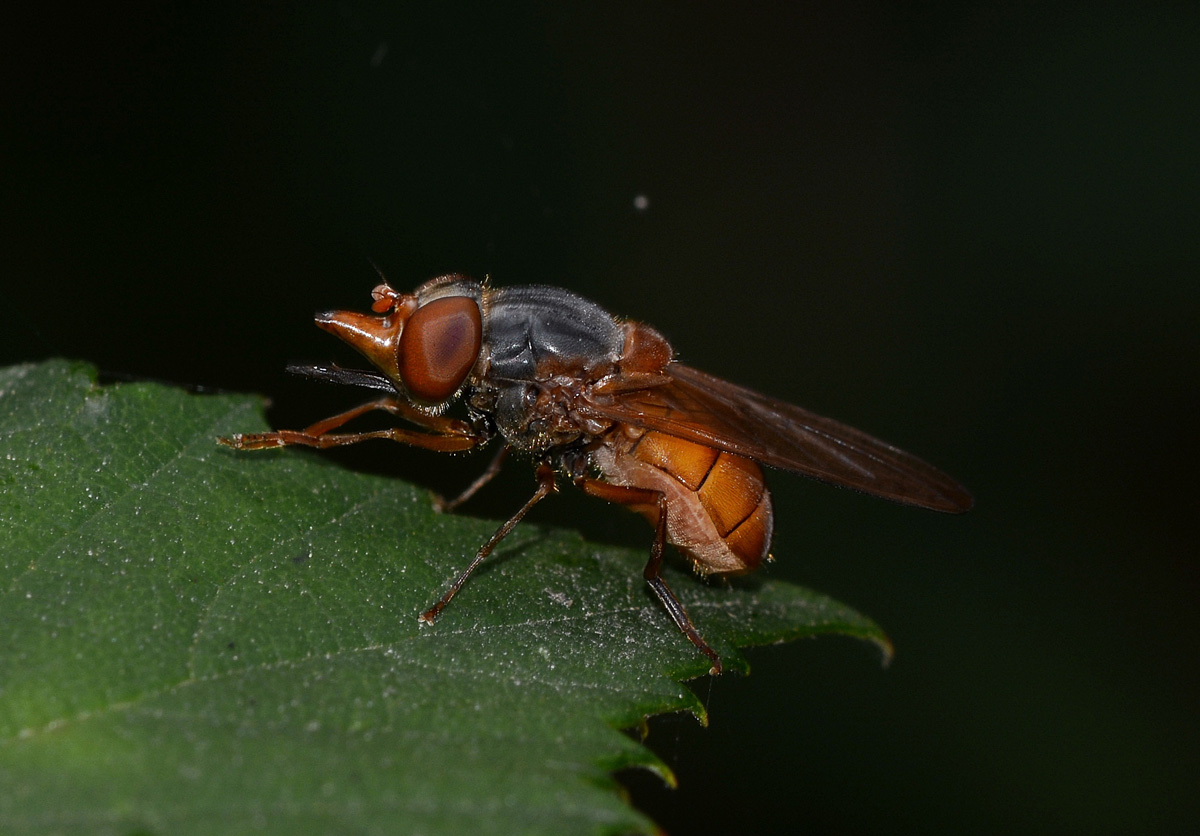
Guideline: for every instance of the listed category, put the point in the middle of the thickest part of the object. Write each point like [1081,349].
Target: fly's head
[427,342]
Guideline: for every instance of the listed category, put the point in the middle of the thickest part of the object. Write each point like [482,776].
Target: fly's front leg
[443,434]
[644,499]
[546,486]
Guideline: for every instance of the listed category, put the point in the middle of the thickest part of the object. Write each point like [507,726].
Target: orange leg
[653,572]
[546,486]
[444,434]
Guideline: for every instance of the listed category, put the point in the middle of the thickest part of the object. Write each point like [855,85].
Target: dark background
[970,230]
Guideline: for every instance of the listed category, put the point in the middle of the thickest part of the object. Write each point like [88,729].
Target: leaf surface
[196,640]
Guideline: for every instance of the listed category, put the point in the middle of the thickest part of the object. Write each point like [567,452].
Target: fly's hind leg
[644,499]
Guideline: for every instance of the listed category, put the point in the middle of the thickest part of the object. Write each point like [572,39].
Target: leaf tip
[886,648]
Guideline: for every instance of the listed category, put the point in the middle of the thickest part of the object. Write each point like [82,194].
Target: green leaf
[197,640]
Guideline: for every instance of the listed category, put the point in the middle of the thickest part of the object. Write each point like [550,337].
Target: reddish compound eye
[438,346]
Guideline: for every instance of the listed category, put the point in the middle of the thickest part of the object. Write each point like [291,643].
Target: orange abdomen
[718,506]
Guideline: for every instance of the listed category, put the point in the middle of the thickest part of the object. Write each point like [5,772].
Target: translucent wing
[711,411]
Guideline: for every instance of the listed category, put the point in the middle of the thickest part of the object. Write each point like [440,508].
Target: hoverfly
[602,402]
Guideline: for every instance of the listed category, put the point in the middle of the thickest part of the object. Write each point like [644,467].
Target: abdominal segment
[718,506]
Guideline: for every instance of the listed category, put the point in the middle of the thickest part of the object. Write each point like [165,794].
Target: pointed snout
[375,337]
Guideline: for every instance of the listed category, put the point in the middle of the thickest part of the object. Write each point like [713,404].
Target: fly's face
[426,343]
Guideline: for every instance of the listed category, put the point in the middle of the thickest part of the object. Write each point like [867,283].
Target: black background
[970,230]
